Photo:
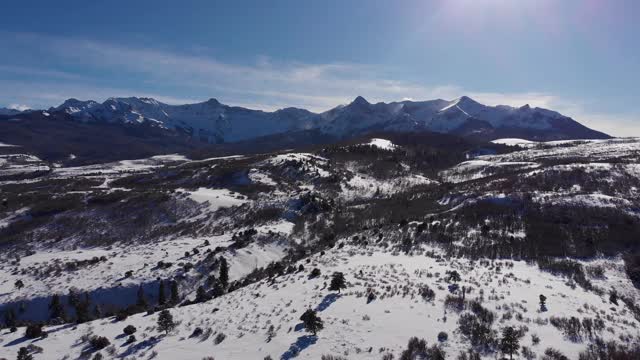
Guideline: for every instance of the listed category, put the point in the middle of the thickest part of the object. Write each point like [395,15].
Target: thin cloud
[19,107]
[266,84]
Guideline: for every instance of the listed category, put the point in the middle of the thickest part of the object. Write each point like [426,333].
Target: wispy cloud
[20,107]
[265,83]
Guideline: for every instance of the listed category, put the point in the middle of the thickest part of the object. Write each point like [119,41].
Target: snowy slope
[353,326]
[393,225]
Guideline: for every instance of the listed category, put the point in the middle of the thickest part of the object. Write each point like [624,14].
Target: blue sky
[579,57]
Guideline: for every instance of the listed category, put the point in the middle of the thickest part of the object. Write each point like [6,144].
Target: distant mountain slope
[213,122]
[6,111]
[58,138]
[463,116]
[209,121]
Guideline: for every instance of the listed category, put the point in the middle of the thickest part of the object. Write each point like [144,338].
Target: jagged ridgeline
[83,132]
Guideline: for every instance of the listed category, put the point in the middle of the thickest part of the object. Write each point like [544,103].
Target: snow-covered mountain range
[213,122]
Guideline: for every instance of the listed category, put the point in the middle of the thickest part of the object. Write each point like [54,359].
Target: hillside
[397,213]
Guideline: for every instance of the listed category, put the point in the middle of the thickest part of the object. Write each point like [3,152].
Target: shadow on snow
[302,343]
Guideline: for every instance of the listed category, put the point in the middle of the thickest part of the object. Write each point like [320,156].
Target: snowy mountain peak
[213,102]
[466,100]
[464,104]
[360,101]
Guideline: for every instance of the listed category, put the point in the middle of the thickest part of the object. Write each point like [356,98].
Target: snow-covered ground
[21,164]
[215,198]
[514,141]
[480,168]
[382,144]
[353,326]
[123,166]
[364,186]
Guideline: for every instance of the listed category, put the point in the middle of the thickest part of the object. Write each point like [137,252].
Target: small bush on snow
[332,357]
[219,338]
[99,342]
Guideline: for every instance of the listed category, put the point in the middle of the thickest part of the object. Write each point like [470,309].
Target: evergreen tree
[543,303]
[10,318]
[271,333]
[217,289]
[224,273]
[19,284]
[142,301]
[510,342]
[73,298]
[453,276]
[162,299]
[175,295]
[56,308]
[82,311]
[312,321]
[97,311]
[23,354]
[201,294]
[165,321]
[337,282]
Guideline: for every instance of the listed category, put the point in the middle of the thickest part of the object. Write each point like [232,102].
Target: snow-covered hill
[396,214]
[385,303]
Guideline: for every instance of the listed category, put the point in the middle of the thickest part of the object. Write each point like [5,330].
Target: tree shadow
[60,328]
[327,301]
[302,343]
[17,341]
[145,344]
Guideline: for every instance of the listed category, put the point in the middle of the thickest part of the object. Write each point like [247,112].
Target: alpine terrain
[320,180]
[391,242]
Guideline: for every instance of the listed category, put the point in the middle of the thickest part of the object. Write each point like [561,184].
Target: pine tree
[73,298]
[142,301]
[165,321]
[337,282]
[97,311]
[201,295]
[23,354]
[453,276]
[271,333]
[510,342]
[312,321]
[175,295]
[217,289]
[224,273]
[10,318]
[543,303]
[82,311]
[162,299]
[19,284]
[56,308]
